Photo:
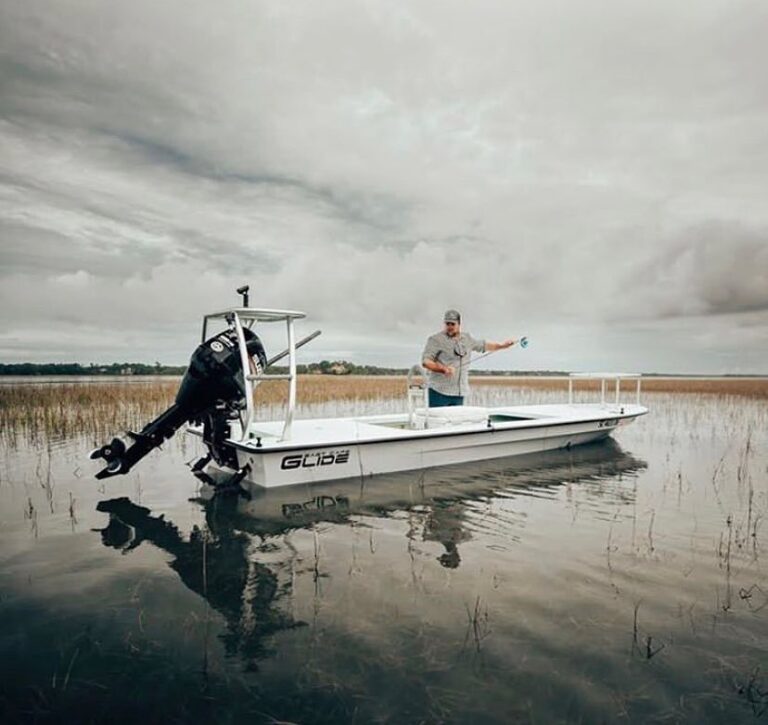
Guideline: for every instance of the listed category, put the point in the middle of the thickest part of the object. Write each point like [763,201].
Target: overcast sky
[591,173]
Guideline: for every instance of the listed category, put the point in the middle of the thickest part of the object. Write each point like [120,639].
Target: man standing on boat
[447,356]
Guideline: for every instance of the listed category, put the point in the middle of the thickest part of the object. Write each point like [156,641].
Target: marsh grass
[64,410]
[744,387]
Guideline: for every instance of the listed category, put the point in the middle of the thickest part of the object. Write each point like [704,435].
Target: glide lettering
[318,503]
[314,459]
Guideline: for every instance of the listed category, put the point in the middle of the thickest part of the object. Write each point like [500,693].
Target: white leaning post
[292,380]
[416,393]
[247,382]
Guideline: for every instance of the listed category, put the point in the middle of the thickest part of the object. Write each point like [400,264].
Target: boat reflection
[442,493]
[225,564]
[218,564]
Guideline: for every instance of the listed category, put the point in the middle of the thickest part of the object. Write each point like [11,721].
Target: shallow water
[623,581]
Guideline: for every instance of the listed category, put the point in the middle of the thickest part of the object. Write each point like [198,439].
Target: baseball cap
[451,316]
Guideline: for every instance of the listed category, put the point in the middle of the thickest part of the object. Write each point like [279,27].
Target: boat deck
[318,432]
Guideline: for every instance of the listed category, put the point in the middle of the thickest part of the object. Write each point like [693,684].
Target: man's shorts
[438,400]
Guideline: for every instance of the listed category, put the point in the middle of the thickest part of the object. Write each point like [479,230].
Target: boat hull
[278,510]
[291,463]
[368,459]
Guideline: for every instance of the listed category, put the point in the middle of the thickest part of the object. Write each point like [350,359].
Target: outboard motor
[211,392]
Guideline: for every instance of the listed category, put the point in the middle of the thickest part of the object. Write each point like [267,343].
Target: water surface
[622,581]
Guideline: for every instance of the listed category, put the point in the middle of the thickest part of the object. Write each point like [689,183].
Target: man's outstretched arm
[493,346]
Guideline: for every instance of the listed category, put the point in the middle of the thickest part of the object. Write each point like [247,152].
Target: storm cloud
[591,174]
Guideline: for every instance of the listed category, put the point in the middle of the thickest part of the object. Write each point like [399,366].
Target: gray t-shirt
[456,352]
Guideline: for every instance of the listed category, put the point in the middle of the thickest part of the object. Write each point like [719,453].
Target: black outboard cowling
[211,392]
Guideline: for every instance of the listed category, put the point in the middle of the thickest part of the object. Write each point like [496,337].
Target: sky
[592,174]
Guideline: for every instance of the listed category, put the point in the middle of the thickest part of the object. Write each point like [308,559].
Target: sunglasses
[452,324]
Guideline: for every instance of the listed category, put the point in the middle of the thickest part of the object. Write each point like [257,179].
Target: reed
[92,407]
[743,387]
[99,408]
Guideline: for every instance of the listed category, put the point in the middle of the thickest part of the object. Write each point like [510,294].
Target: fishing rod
[523,342]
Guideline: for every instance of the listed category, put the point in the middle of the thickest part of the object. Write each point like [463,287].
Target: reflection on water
[278,510]
[221,564]
[616,581]
[216,564]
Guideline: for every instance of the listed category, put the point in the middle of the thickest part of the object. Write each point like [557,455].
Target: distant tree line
[324,367]
[92,369]
[344,367]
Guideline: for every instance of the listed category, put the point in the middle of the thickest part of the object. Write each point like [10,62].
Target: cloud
[553,167]
[712,269]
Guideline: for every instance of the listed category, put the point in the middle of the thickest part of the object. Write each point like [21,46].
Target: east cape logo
[608,423]
[314,459]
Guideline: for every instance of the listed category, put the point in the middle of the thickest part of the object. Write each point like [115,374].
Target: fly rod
[523,342]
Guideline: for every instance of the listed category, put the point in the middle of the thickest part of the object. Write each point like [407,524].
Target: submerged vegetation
[642,585]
